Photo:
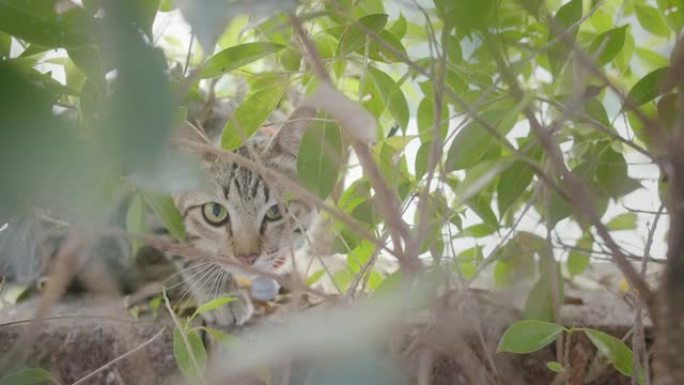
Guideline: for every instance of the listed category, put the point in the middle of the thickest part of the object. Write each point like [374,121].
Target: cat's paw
[234,313]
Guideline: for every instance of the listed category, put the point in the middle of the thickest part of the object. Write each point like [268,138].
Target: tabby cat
[244,217]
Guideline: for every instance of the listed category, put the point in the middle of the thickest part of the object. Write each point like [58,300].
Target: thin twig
[386,199]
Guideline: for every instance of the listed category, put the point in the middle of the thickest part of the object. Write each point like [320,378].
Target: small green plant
[188,349]
[529,336]
[28,376]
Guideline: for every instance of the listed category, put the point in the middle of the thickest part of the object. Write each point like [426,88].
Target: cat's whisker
[200,268]
[198,284]
[184,272]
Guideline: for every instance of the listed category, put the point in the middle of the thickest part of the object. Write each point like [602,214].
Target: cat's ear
[287,139]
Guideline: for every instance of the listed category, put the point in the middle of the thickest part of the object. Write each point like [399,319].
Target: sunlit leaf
[135,220]
[426,119]
[392,50]
[624,221]
[475,139]
[5,45]
[391,95]
[555,366]
[168,214]
[29,376]
[250,115]
[673,10]
[398,27]
[354,37]
[220,336]
[648,87]
[512,183]
[613,349]
[651,58]
[231,36]
[35,21]
[276,29]
[578,259]
[212,305]
[564,19]
[467,15]
[319,156]
[326,45]
[190,357]
[650,19]
[528,336]
[608,45]
[237,56]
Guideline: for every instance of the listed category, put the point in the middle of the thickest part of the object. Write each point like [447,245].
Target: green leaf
[391,95]
[578,259]
[354,37]
[540,301]
[648,88]
[12,293]
[567,16]
[237,56]
[231,36]
[276,29]
[650,19]
[531,6]
[512,184]
[35,21]
[555,366]
[29,376]
[528,336]
[326,45]
[184,354]
[314,277]
[673,10]
[135,221]
[212,305]
[479,178]
[398,28]
[380,52]
[625,221]
[613,349]
[219,336]
[164,208]
[651,58]
[5,45]
[319,157]
[422,158]
[250,115]
[426,119]
[290,59]
[608,45]
[467,16]
[474,140]
[144,14]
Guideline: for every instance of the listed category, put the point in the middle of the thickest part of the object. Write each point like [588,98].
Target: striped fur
[248,235]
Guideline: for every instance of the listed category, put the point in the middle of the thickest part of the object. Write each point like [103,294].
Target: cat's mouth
[271,261]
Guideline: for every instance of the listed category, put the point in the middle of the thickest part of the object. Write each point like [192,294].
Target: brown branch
[579,195]
[385,199]
[670,326]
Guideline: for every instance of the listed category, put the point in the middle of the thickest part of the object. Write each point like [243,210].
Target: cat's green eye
[273,213]
[214,213]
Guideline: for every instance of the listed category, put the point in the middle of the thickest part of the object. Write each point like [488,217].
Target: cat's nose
[247,259]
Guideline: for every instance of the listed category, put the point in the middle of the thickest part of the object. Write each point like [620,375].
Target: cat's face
[243,216]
